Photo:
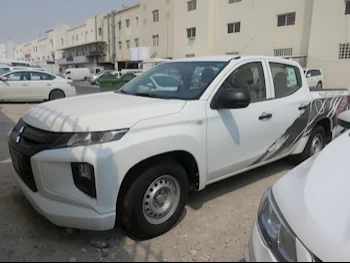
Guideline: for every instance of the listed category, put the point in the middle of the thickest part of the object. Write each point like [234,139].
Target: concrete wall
[260,34]
[2,51]
[330,27]
[163,28]
[203,20]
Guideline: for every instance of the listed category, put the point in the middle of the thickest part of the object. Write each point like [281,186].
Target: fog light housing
[84,178]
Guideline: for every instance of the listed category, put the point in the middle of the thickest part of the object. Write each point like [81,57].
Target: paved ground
[84,88]
[215,225]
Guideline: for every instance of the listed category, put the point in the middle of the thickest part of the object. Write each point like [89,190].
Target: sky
[24,20]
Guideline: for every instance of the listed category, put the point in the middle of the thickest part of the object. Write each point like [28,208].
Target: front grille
[26,141]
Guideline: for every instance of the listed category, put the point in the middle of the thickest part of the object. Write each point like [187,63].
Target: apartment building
[210,27]
[84,45]
[330,42]
[127,27]
[157,22]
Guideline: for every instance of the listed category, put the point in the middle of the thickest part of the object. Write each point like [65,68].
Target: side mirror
[308,75]
[231,99]
[4,79]
[344,119]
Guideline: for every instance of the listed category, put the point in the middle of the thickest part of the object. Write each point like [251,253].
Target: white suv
[315,77]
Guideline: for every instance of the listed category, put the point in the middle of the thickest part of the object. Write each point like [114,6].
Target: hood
[98,112]
[314,199]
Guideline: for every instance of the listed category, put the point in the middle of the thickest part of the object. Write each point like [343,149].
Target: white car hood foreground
[315,200]
[98,112]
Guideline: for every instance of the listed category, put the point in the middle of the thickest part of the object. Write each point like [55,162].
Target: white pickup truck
[132,156]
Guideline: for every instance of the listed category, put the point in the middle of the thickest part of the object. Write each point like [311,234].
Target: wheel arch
[186,159]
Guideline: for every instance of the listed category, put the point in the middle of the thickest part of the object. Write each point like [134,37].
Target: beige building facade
[330,42]
[212,27]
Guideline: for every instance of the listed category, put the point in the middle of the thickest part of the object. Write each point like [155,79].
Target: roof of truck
[228,58]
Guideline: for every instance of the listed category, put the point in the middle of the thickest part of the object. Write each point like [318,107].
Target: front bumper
[257,250]
[63,214]
[57,197]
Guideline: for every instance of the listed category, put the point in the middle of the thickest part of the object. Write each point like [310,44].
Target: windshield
[4,70]
[177,80]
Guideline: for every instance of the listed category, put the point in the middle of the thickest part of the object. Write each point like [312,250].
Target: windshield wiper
[147,95]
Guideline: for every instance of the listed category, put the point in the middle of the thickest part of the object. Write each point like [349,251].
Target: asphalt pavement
[84,88]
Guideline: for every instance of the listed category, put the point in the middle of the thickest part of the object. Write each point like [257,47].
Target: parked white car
[304,217]
[4,69]
[132,156]
[315,77]
[32,85]
[161,82]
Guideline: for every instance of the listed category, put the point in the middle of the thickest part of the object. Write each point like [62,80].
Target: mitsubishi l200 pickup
[131,157]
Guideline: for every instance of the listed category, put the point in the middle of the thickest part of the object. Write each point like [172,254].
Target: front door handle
[25,85]
[304,107]
[265,116]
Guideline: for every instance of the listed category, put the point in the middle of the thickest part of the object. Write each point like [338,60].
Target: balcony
[73,60]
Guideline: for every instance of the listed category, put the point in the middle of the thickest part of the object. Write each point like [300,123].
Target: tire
[56,94]
[85,79]
[319,85]
[318,133]
[136,209]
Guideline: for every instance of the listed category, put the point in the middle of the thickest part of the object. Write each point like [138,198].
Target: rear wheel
[316,143]
[56,94]
[319,85]
[85,79]
[155,201]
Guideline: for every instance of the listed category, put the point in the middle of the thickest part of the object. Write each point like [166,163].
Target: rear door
[16,87]
[40,85]
[290,107]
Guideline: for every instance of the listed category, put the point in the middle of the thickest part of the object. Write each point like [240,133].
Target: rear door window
[286,78]
[36,76]
[315,73]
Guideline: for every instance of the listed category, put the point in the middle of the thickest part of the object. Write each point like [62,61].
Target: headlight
[89,138]
[278,236]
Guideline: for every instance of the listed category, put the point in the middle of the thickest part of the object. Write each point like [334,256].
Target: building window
[99,31]
[344,51]
[120,25]
[62,41]
[234,28]
[77,37]
[192,5]
[127,23]
[128,44]
[347,7]
[155,40]
[190,55]
[137,42]
[156,16]
[120,44]
[286,19]
[283,52]
[137,21]
[234,1]
[191,33]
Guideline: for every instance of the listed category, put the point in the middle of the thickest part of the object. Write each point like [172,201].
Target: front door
[16,87]
[239,139]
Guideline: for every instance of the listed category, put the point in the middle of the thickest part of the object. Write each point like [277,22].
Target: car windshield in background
[175,80]
[4,70]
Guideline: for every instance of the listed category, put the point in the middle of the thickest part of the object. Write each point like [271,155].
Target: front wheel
[155,201]
[316,143]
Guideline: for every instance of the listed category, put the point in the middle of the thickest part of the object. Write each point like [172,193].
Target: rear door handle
[49,85]
[25,85]
[303,107]
[265,116]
